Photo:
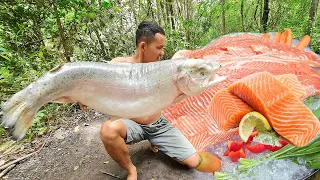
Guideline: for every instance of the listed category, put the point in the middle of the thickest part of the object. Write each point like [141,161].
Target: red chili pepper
[256,148]
[253,134]
[226,153]
[236,155]
[235,146]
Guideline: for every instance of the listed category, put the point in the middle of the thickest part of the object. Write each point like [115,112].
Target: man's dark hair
[146,31]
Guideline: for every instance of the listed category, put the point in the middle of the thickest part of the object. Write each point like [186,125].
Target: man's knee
[110,130]
[192,161]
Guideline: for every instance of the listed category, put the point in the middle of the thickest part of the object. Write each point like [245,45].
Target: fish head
[195,75]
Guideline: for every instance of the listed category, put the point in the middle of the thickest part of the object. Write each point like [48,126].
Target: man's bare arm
[122,59]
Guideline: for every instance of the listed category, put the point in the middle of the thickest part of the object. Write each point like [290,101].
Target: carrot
[289,37]
[266,35]
[283,38]
[304,42]
[277,37]
[208,162]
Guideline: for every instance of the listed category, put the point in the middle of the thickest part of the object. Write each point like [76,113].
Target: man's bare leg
[113,135]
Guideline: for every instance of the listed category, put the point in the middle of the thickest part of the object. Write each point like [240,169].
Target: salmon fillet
[288,116]
[228,109]
[200,133]
[291,82]
[250,45]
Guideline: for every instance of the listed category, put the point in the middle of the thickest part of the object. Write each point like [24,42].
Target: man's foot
[154,148]
[132,174]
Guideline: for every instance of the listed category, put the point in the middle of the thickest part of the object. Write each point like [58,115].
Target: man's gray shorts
[161,134]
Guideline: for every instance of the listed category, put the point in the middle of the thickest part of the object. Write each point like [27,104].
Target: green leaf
[84,28]
[106,4]
[40,54]
[3,50]
[42,130]
[313,103]
[116,9]
[5,57]
[91,15]
[267,137]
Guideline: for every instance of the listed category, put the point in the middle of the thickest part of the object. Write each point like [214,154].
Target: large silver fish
[120,89]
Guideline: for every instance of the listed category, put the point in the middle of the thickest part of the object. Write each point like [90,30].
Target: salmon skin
[119,89]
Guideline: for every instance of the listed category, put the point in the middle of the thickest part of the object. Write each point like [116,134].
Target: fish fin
[56,68]
[18,114]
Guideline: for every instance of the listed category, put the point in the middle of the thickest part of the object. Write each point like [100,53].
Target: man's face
[154,50]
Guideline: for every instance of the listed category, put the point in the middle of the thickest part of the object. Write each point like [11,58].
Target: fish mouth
[215,79]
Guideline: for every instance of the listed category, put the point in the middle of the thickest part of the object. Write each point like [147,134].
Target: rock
[59,134]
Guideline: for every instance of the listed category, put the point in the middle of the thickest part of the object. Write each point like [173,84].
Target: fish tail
[19,112]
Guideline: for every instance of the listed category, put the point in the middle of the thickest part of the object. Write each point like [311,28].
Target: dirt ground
[75,152]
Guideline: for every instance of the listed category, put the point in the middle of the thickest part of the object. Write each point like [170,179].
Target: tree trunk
[62,36]
[180,14]
[188,19]
[170,4]
[264,20]
[164,15]
[255,14]
[312,16]
[158,12]
[223,18]
[133,9]
[150,11]
[168,14]
[242,16]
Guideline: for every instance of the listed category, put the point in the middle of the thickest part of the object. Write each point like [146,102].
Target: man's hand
[154,148]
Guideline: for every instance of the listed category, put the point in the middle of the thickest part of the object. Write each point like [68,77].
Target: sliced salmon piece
[288,116]
[249,45]
[259,90]
[228,109]
[200,133]
[308,76]
[291,82]
[293,120]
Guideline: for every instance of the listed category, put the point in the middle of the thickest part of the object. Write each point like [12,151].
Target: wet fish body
[120,89]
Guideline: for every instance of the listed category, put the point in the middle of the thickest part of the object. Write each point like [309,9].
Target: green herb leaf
[268,137]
